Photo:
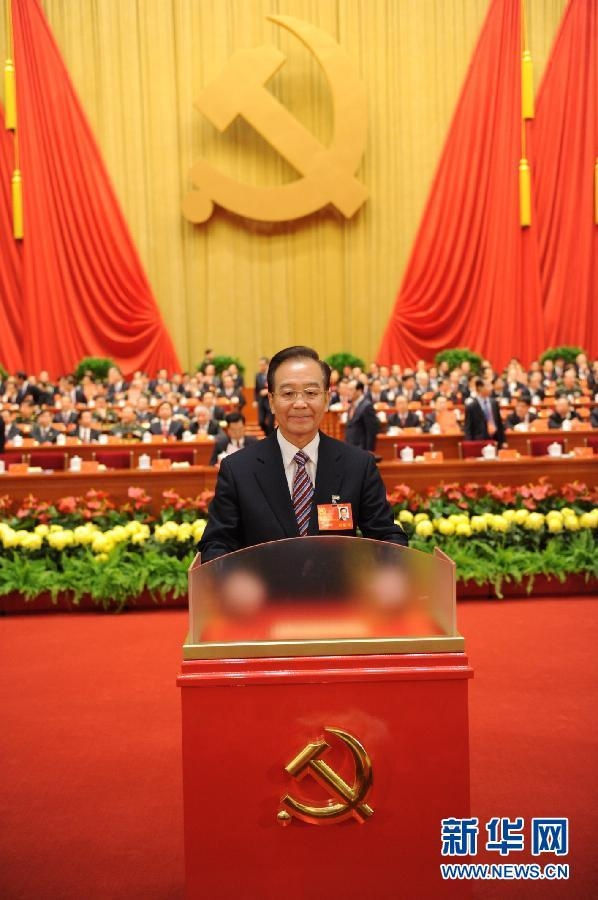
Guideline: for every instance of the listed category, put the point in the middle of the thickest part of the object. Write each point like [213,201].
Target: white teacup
[489,451]
[2,467]
[407,454]
[103,439]
[75,464]
[555,449]
[61,440]
[144,461]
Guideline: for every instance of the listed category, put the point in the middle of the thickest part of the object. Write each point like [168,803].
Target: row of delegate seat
[115,459]
[473,449]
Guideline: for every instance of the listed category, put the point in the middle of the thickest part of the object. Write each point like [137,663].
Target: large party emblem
[328,173]
[345,800]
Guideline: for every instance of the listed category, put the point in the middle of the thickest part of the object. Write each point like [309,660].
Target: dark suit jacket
[2,435]
[555,420]
[252,504]
[411,421]
[93,434]
[222,442]
[594,417]
[513,419]
[71,419]
[362,428]
[49,438]
[213,427]
[176,428]
[476,427]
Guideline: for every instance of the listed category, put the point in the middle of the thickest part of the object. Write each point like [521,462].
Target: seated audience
[442,420]
[128,428]
[234,439]
[535,389]
[594,417]
[25,417]
[26,388]
[47,390]
[102,413]
[67,416]
[202,423]
[117,386]
[403,417]
[85,430]
[521,419]
[231,393]
[568,386]
[562,413]
[42,431]
[165,424]
[10,392]
[11,430]
[410,390]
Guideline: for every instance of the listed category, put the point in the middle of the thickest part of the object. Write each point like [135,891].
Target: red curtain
[473,276]
[566,142]
[11,334]
[84,288]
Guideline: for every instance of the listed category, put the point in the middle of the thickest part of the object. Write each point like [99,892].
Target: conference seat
[178,454]
[473,449]
[539,446]
[592,441]
[118,459]
[9,458]
[45,459]
[418,447]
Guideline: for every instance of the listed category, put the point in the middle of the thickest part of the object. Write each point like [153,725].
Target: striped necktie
[303,491]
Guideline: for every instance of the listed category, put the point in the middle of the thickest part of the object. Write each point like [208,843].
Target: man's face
[85,419]
[43,420]
[208,399]
[401,405]
[127,415]
[165,412]
[440,404]
[44,377]
[299,419]
[569,379]
[67,403]
[202,416]
[236,430]
[486,389]
[521,410]
[562,406]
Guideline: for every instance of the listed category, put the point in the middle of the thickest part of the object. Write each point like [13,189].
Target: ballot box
[324,721]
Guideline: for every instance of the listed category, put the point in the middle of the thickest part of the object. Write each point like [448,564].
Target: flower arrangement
[90,546]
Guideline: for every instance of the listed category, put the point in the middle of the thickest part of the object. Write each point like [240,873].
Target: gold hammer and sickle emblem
[349,801]
[328,172]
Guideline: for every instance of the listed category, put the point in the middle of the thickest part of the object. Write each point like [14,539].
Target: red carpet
[91,786]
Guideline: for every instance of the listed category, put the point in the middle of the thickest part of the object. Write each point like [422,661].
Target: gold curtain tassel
[525,194]
[596,192]
[10,97]
[17,204]
[527,85]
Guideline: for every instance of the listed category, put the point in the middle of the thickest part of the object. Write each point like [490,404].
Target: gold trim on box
[350,647]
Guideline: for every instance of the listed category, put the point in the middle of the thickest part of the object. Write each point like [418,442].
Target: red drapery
[473,276]
[11,334]
[84,288]
[566,148]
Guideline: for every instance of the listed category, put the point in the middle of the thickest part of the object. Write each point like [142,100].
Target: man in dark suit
[562,413]
[86,432]
[594,417]
[362,423]
[202,424]
[67,417]
[264,413]
[272,489]
[26,389]
[42,431]
[165,424]
[521,419]
[403,417]
[482,415]
[234,439]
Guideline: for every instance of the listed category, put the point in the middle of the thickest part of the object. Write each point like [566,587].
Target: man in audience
[85,430]
[594,417]
[217,413]
[10,391]
[102,413]
[165,424]
[203,424]
[67,417]
[390,392]
[42,431]
[562,413]
[234,439]
[442,420]
[25,417]
[26,388]
[117,386]
[403,417]
[482,415]
[238,380]
[144,413]
[409,389]
[264,414]
[375,393]
[568,385]
[521,419]
[535,389]
[231,393]
[128,429]
[47,390]
[362,425]
[160,379]
[11,430]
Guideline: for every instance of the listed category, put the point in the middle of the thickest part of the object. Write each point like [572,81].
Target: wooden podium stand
[324,712]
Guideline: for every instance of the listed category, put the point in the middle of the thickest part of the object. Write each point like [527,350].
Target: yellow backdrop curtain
[138,65]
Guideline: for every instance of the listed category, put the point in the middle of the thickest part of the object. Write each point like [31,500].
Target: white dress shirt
[289,450]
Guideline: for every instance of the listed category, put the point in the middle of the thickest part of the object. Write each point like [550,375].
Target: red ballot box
[324,711]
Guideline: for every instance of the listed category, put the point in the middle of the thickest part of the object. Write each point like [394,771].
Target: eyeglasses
[310,395]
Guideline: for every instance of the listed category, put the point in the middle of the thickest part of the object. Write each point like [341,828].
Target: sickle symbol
[328,172]
[352,798]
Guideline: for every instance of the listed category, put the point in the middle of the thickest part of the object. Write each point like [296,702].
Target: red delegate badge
[335,517]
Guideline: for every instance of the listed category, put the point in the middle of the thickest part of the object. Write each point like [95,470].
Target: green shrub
[338,361]
[456,355]
[566,352]
[3,372]
[97,365]
[221,363]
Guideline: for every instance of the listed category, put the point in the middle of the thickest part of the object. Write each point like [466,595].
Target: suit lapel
[328,478]
[270,475]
